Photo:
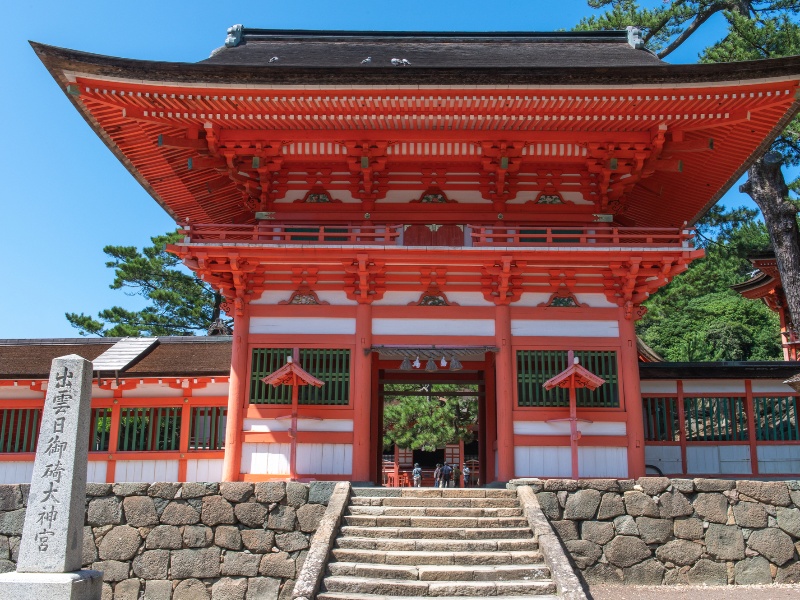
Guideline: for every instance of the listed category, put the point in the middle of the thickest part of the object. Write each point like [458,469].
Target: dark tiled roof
[335,49]
[173,356]
[719,370]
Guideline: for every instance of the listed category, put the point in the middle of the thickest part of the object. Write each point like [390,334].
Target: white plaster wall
[146,470]
[269,425]
[302,326]
[659,387]
[460,298]
[713,386]
[666,458]
[16,471]
[562,428]
[266,459]
[600,461]
[436,327]
[779,459]
[334,298]
[542,461]
[532,299]
[723,460]
[325,459]
[537,298]
[204,469]
[20,392]
[771,386]
[561,328]
[96,471]
[155,391]
[218,389]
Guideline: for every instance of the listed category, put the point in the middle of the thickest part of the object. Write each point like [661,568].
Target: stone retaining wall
[189,541]
[657,530]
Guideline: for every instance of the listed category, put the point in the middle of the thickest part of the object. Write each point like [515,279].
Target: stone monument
[49,564]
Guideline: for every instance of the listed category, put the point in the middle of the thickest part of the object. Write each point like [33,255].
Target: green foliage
[428,416]
[698,317]
[179,303]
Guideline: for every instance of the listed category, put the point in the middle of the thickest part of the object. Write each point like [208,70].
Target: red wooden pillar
[113,438]
[505,393]
[362,394]
[682,426]
[489,422]
[183,440]
[237,396]
[629,365]
[750,411]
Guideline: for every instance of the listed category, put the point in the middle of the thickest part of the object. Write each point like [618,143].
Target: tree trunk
[217,303]
[768,189]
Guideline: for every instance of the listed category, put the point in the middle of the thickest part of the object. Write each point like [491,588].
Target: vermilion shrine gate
[496,199]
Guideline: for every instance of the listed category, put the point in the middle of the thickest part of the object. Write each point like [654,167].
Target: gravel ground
[687,592]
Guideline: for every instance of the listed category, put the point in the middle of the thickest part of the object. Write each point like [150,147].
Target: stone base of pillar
[80,585]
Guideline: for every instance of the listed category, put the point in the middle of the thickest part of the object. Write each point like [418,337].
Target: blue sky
[64,196]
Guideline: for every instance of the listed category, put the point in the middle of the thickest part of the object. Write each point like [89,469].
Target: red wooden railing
[292,233]
[532,235]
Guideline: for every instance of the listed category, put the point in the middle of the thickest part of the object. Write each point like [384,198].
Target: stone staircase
[421,543]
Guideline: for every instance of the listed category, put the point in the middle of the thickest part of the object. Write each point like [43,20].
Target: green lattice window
[207,428]
[776,419]
[147,429]
[19,429]
[661,420]
[715,419]
[534,367]
[332,366]
[101,430]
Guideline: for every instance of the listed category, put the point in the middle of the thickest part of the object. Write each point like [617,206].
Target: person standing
[447,473]
[437,475]
[467,474]
[417,475]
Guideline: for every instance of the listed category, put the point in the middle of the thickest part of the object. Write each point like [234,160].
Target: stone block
[750,514]
[240,564]
[263,588]
[251,514]
[712,507]
[292,541]
[113,570]
[296,494]
[130,489]
[769,492]
[229,588]
[152,564]
[648,572]
[277,564]
[654,531]
[157,590]
[258,540]
[228,536]
[98,489]
[789,574]
[197,536]
[795,496]
[611,505]
[271,491]
[309,515]
[598,532]
[625,525]
[680,552]
[685,486]
[104,511]
[288,587]
[140,511]
[752,571]
[164,490]
[638,504]
[6,566]
[772,543]
[625,551]
[601,485]
[180,512]
[561,485]
[12,522]
[713,485]
[688,529]
[319,492]
[549,505]
[788,519]
[708,572]
[582,505]
[217,511]
[191,589]
[88,555]
[121,543]
[164,536]
[10,497]
[725,542]
[127,590]
[674,504]
[282,518]
[236,491]
[583,552]
[602,574]
[565,530]
[202,563]
[192,489]
[652,486]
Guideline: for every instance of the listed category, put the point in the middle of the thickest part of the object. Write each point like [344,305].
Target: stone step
[438,557]
[432,511]
[437,545]
[433,522]
[426,572]
[434,502]
[456,533]
[433,492]
[399,587]
[351,596]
